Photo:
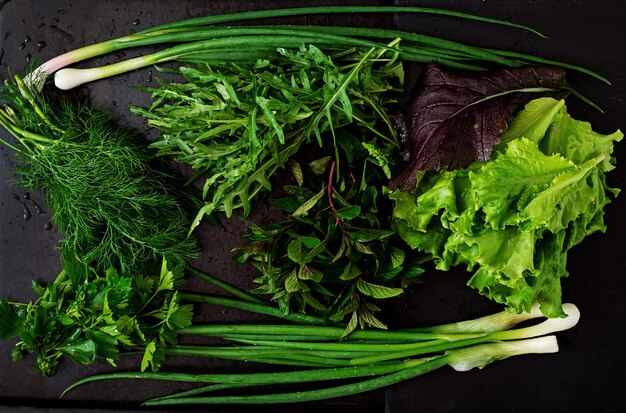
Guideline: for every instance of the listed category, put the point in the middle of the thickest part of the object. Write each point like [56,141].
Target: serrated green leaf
[296,170]
[350,272]
[368,234]
[352,324]
[377,291]
[367,318]
[291,282]
[310,203]
[362,248]
[306,272]
[148,355]
[349,213]
[181,317]
[11,324]
[319,166]
[397,257]
[313,302]
[295,251]
[82,351]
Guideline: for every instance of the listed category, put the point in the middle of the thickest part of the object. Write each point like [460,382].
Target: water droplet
[55,21]
[26,215]
[27,196]
[209,259]
[16,197]
[136,22]
[41,44]
[114,103]
[150,76]
[28,57]
[61,11]
[171,11]
[22,46]
[27,39]
[47,226]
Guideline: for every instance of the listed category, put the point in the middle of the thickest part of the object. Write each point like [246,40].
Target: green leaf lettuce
[512,220]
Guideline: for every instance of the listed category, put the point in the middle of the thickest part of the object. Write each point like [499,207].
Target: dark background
[587,375]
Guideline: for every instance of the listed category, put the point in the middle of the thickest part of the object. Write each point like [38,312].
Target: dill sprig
[114,207]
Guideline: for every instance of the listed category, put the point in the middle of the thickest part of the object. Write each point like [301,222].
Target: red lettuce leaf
[457,117]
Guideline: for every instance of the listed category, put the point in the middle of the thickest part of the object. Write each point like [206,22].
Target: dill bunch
[113,205]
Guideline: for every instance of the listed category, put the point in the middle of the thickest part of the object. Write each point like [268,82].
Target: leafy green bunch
[335,253]
[111,200]
[237,124]
[87,315]
[513,220]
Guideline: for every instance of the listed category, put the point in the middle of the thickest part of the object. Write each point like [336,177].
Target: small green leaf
[11,324]
[411,271]
[148,355]
[295,251]
[350,272]
[349,213]
[366,317]
[296,170]
[377,291]
[304,208]
[317,250]
[313,302]
[397,256]
[319,166]
[368,235]
[388,274]
[362,248]
[82,351]
[309,273]
[352,324]
[181,317]
[292,284]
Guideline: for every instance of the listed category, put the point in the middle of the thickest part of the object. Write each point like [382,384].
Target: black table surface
[587,375]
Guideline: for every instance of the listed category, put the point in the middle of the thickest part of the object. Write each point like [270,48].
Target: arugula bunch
[236,125]
[87,315]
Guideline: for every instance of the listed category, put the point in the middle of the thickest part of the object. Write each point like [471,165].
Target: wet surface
[587,375]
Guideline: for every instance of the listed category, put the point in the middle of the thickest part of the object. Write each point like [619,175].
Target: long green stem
[460,359]
[229,288]
[302,376]
[265,309]
[312,395]
[303,11]
[319,331]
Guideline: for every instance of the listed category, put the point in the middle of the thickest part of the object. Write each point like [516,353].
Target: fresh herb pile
[86,315]
[514,219]
[238,124]
[462,175]
[335,255]
[115,206]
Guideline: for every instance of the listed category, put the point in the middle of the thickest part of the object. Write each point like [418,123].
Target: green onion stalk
[369,359]
[201,41]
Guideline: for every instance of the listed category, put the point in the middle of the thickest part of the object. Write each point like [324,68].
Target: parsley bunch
[87,315]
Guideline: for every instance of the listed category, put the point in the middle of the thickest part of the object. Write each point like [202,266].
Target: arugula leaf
[237,125]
